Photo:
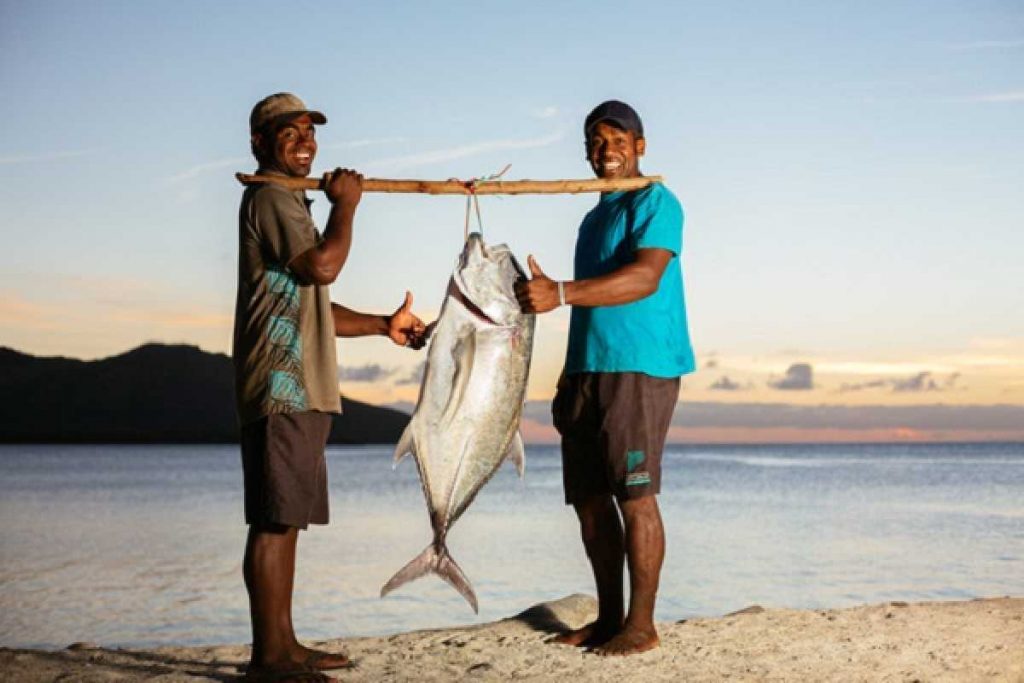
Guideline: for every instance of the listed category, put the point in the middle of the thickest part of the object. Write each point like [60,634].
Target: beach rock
[753,609]
[572,611]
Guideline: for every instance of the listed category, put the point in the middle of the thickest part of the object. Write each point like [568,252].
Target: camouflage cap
[277,106]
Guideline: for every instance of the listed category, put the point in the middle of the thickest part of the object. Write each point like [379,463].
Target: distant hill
[153,394]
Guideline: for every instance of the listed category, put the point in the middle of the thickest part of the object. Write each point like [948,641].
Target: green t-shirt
[284,345]
[650,335]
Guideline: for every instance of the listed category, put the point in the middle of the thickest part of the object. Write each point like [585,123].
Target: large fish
[466,421]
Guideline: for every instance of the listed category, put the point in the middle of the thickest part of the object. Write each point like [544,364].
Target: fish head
[486,277]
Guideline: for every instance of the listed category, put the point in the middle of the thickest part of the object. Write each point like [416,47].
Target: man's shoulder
[657,202]
[656,195]
[273,203]
[271,193]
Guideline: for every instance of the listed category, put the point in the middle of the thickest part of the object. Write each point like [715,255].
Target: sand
[978,640]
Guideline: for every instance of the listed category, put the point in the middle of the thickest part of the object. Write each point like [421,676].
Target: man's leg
[602,535]
[282,459]
[645,550]
[269,569]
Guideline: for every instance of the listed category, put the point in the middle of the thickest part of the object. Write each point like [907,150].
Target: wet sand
[978,640]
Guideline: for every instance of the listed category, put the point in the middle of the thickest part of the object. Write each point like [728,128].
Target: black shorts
[613,428]
[285,470]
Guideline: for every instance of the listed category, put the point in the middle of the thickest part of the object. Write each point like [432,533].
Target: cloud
[463,151]
[49,156]
[17,311]
[799,377]
[922,381]
[923,418]
[548,112]
[370,372]
[919,382]
[860,386]
[367,142]
[414,377]
[726,384]
[198,169]
[174,318]
[103,301]
[918,417]
[237,162]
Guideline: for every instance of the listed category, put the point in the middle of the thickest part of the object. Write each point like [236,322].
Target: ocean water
[142,545]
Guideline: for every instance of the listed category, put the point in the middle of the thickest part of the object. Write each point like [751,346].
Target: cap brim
[316,117]
[618,123]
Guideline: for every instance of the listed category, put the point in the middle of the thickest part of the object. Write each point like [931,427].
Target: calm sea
[142,545]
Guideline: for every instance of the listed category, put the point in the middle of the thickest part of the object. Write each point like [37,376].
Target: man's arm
[402,326]
[321,264]
[627,284]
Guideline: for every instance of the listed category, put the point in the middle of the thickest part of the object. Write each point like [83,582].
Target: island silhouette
[156,393]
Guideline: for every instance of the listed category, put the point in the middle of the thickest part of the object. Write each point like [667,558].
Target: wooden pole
[463,187]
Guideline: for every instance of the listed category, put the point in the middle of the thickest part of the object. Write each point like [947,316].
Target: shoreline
[980,639]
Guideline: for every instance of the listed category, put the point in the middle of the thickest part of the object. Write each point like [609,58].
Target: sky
[851,174]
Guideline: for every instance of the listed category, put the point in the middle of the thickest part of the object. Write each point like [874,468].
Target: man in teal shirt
[628,345]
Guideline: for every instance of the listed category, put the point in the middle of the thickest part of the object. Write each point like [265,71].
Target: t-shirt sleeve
[657,221]
[286,229]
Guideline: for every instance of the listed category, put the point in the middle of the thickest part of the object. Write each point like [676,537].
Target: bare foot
[318,660]
[630,641]
[286,673]
[592,635]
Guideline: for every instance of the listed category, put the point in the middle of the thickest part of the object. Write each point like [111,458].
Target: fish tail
[434,559]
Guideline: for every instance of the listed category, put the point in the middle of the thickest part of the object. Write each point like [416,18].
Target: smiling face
[613,152]
[290,149]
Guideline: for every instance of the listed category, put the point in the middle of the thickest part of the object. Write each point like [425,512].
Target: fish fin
[438,562]
[464,353]
[406,445]
[517,453]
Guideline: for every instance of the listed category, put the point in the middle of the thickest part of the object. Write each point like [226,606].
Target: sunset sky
[851,175]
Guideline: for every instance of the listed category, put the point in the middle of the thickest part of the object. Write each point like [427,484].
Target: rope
[473,201]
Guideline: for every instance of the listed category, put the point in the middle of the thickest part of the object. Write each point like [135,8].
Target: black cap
[615,112]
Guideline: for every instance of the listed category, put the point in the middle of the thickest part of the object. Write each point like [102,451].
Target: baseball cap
[280,105]
[615,112]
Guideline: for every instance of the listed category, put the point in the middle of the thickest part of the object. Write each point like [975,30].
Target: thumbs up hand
[539,294]
[404,328]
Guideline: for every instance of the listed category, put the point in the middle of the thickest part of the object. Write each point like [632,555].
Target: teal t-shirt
[650,335]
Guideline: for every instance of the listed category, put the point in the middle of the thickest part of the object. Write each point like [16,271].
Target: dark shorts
[613,428]
[284,468]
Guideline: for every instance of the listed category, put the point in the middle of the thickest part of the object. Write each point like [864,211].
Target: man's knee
[597,516]
[639,510]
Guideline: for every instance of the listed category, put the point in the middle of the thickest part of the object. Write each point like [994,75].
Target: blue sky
[851,172]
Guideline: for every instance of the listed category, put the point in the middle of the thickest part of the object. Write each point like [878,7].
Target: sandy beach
[978,640]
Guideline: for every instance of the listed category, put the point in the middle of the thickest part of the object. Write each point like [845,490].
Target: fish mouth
[456,293]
